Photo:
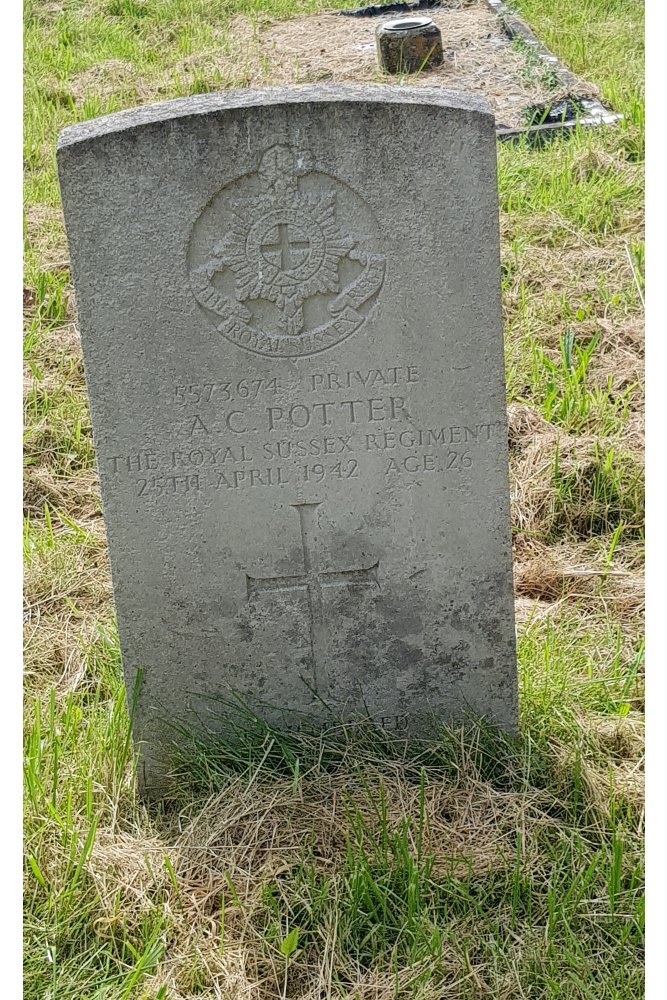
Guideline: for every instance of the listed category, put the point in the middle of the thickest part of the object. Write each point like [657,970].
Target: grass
[346,864]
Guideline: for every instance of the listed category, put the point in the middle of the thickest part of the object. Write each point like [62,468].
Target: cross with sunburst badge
[284,245]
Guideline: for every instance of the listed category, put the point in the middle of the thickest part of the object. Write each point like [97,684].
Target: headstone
[289,306]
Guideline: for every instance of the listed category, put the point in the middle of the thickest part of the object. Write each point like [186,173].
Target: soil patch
[479,58]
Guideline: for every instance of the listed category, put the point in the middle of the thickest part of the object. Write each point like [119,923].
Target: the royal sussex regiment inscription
[290,315]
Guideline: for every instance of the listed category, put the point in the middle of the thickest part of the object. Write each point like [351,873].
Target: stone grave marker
[289,305]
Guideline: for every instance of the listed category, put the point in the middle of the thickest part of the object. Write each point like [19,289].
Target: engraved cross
[285,245]
[313,581]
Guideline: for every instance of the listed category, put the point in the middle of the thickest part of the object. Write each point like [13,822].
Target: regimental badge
[272,258]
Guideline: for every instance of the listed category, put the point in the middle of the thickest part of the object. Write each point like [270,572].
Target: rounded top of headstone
[407,24]
[182,112]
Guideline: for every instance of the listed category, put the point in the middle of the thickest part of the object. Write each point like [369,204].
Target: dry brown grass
[479,58]
[45,231]
[67,595]
[224,852]
[248,836]
[613,769]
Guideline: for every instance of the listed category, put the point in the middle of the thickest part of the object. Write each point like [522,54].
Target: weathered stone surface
[408,45]
[290,314]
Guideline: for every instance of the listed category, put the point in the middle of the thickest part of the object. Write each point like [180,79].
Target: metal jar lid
[407,24]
